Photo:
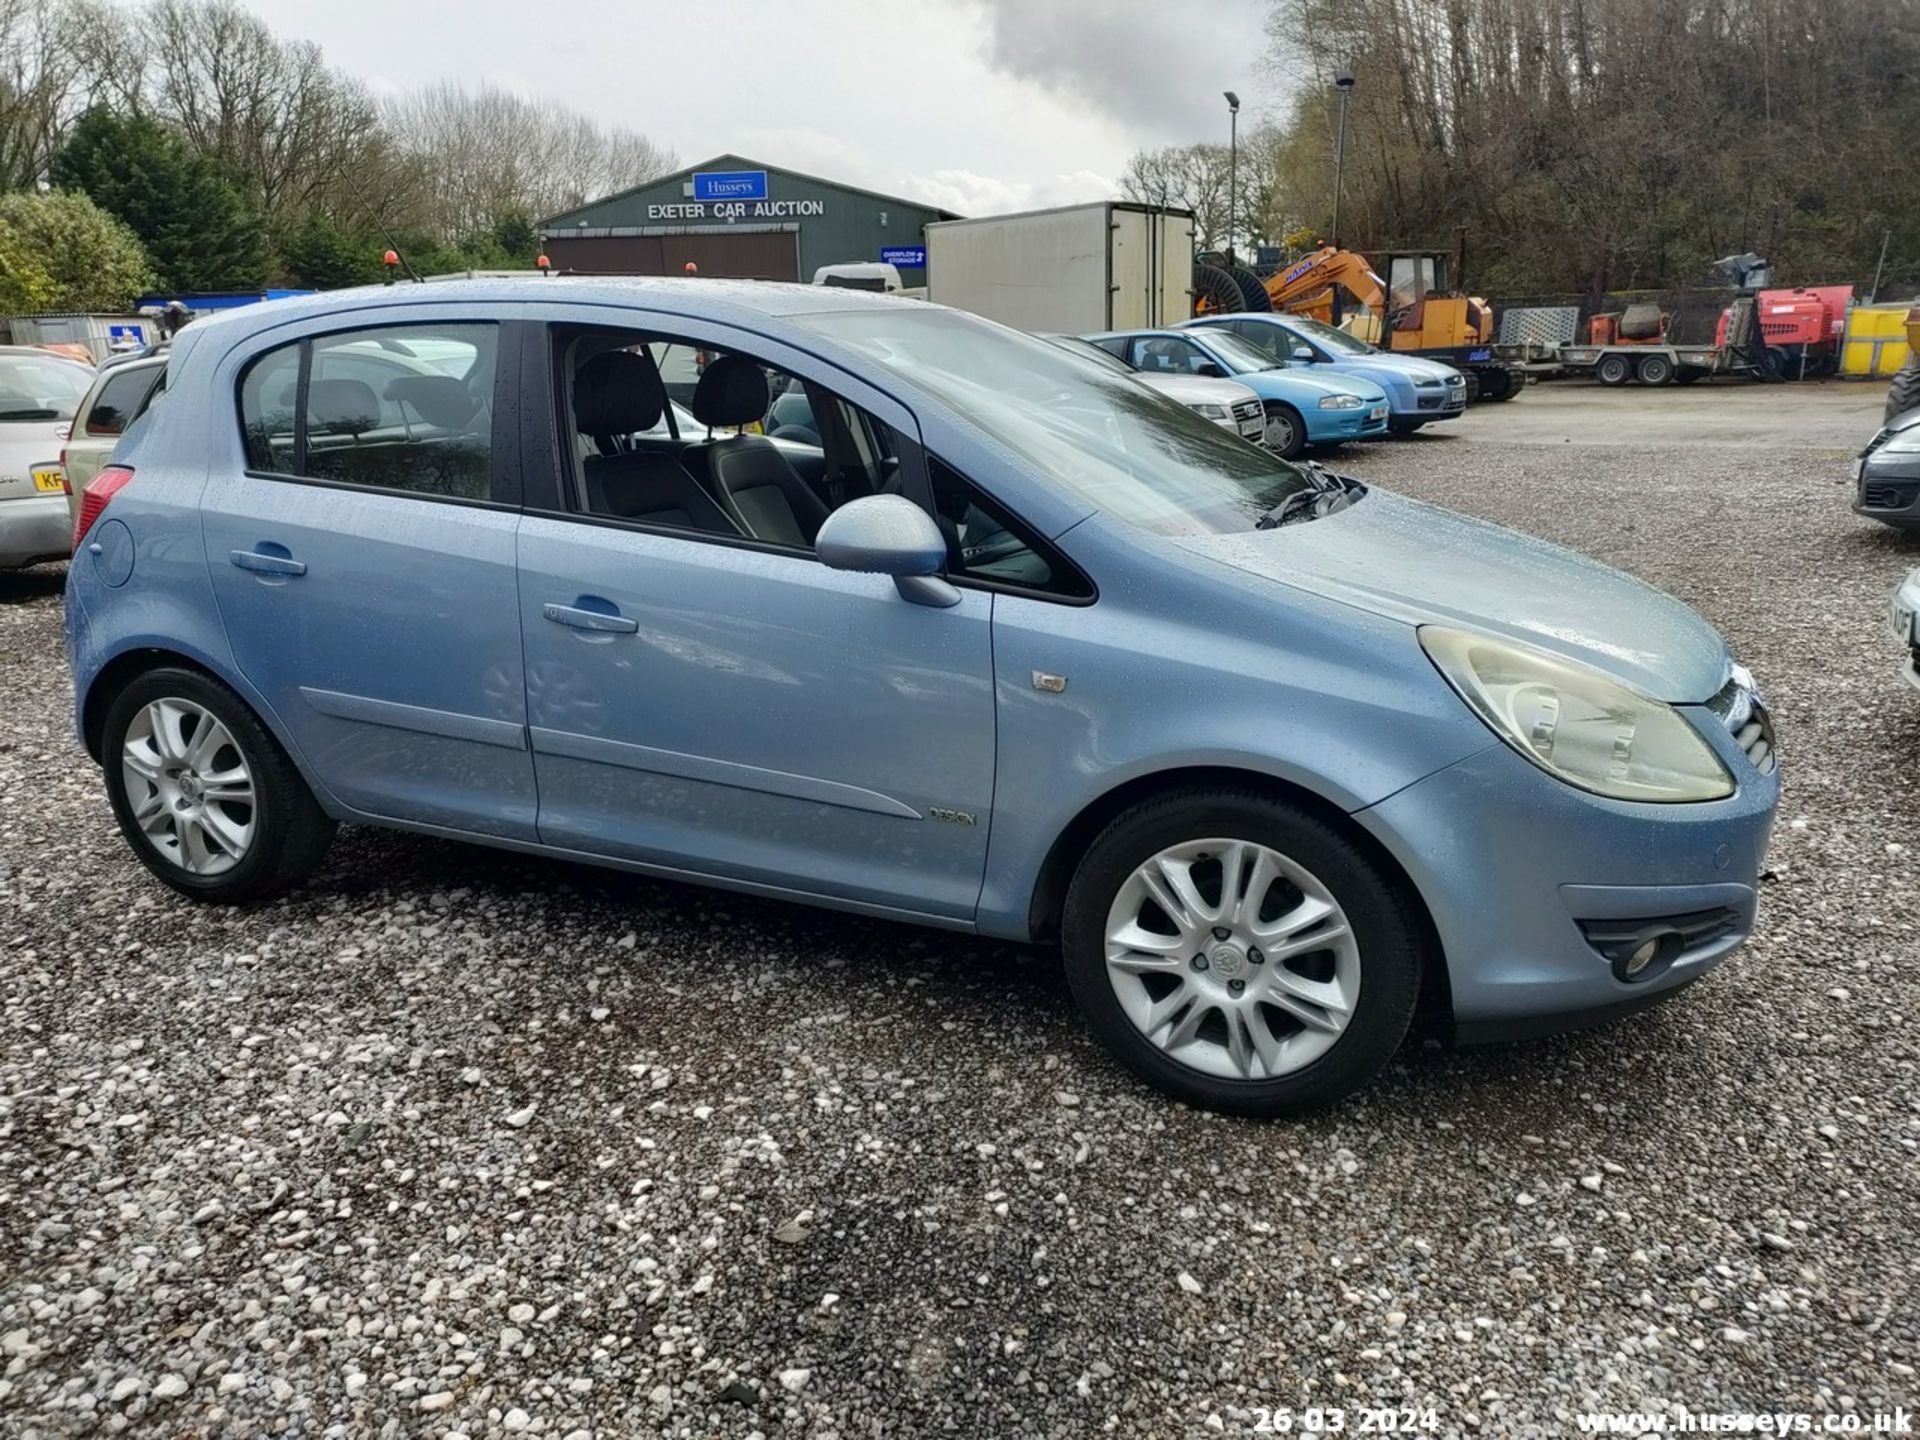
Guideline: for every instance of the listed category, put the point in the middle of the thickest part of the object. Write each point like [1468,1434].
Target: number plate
[1900,622]
[49,479]
[1253,429]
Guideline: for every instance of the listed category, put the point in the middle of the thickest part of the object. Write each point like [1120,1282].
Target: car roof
[693,294]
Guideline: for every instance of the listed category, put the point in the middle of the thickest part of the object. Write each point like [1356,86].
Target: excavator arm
[1309,278]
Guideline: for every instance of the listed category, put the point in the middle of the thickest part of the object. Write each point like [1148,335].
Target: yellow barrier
[1876,340]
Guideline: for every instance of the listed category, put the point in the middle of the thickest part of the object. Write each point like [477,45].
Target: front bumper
[1447,402]
[34,528]
[1522,874]
[1887,491]
[1904,621]
[1324,426]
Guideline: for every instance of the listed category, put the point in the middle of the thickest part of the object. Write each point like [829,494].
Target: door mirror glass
[1210,370]
[1302,352]
[888,535]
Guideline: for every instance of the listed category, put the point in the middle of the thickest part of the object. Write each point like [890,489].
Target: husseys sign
[733,195]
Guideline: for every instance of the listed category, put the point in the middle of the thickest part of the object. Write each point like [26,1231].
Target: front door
[703,697]
[365,573]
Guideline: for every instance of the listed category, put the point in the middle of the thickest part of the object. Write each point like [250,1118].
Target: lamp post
[1343,82]
[1233,166]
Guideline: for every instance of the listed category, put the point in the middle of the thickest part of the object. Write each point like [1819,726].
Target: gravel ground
[462,1142]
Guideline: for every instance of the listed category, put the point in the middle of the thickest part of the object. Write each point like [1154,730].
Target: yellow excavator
[1413,311]
[1904,393]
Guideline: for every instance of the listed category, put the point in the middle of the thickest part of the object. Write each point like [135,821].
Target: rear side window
[122,398]
[407,408]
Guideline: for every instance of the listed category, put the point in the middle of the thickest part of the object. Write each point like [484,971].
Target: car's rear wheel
[1286,431]
[1239,953]
[205,796]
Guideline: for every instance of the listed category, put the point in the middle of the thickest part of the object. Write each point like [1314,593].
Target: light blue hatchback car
[1419,391]
[1304,407]
[1020,648]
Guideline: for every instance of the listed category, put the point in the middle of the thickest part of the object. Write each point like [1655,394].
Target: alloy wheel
[1232,958]
[189,786]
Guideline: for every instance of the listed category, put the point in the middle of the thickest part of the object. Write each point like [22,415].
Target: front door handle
[580,619]
[264,564]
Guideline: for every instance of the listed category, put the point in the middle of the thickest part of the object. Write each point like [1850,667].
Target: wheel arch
[1063,858]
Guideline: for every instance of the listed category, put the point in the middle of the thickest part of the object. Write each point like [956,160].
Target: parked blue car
[1273,757]
[1419,391]
[1303,408]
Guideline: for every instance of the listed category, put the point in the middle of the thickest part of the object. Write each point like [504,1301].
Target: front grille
[1247,410]
[1742,712]
[1882,495]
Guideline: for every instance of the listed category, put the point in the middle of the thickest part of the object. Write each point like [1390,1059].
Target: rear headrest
[617,393]
[438,399]
[732,391]
[341,407]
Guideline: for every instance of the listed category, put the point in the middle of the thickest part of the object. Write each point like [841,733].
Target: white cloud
[967,193]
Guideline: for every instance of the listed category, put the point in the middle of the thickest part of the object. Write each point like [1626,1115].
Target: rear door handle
[589,619]
[263,564]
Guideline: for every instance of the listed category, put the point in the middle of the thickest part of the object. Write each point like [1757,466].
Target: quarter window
[406,408]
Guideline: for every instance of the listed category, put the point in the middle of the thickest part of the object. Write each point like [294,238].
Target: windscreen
[37,387]
[1136,455]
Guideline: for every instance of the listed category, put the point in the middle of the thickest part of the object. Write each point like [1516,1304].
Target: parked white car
[39,392]
[1906,625]
[1227,403]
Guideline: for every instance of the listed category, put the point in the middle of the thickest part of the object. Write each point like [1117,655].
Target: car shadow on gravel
[39,583]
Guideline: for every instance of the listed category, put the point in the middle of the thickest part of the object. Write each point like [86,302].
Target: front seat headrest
[341,407]
[732,391]
[438,399]
[618,392]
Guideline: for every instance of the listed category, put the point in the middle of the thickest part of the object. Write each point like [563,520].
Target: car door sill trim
[658,871]
[570,746]
[479,729]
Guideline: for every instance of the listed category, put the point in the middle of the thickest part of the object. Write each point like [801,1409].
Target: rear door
[363,558]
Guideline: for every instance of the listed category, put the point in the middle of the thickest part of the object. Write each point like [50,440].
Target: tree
[319,254]
[487,155]
[199,229]
[1196,178]
[63,252]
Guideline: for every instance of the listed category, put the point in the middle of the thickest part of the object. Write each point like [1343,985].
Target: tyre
[1613,370]
[1904,393]
[205,796]
[1239,953]
[1653,370]
[1286,432]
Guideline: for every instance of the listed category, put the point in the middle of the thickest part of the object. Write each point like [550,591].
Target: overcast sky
[975,105]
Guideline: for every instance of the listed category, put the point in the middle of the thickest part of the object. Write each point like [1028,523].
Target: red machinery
[1803,328]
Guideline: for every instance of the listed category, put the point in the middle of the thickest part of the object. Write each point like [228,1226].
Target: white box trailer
[1106,266]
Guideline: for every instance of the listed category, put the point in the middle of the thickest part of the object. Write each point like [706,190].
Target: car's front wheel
[205,796]
[1240,953]
[1286,431]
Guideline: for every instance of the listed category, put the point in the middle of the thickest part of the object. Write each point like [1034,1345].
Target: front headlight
[1577,724]
[1341,402]
[1212,412]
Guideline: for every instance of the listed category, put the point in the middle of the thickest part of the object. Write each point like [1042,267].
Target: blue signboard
[907,257]
[730,185]
[126,337]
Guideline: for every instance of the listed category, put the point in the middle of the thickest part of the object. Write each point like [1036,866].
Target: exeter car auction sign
[733,195]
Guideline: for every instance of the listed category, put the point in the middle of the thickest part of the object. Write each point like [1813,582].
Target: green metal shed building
[732,216]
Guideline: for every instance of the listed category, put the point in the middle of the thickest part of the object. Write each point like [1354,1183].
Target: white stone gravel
[456,1142]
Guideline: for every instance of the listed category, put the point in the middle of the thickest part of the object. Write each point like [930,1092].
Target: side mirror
[889,535]
[1301,352]
[1211,371]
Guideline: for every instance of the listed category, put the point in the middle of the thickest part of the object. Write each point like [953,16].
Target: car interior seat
[750,477]
[615,394]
